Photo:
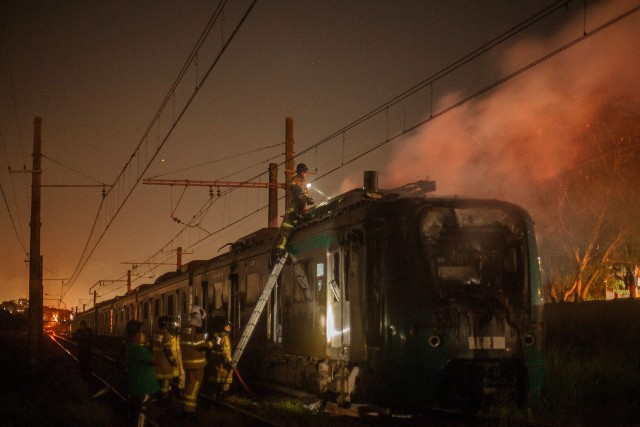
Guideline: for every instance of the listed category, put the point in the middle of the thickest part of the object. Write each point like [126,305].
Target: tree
[587,216]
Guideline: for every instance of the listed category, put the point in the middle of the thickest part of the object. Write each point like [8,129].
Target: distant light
[309,185]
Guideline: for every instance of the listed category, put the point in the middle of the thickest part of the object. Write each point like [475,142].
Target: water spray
[314,188]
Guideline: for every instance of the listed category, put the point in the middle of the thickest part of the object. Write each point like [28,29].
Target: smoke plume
[531,127]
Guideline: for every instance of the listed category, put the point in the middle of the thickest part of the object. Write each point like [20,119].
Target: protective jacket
[166,355]
[299,195]
[222,359]
[193,347]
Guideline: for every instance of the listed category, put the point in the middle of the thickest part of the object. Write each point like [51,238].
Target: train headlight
[529,340]
[435,341]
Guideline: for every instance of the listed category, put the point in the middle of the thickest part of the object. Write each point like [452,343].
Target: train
[396,299]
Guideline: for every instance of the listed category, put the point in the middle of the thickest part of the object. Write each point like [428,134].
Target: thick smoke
[531,127]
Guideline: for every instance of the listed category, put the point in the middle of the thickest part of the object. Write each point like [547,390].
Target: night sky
[98,72]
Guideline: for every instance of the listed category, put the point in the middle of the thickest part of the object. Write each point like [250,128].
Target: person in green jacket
[140,379]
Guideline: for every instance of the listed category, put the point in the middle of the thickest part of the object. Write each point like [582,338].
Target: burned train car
[391,297]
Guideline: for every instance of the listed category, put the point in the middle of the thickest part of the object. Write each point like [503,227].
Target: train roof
[366,195]
[338,204]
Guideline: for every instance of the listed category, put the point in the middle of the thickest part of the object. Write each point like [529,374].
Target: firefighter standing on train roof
[222,375]
[298,189]
[194,347]
[166,354]
[298,202]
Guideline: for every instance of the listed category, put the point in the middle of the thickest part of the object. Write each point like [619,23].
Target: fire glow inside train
[392,298]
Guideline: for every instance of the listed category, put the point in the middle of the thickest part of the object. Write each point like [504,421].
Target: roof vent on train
[371,185]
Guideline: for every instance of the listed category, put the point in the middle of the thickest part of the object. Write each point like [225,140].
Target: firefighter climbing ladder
[262,301]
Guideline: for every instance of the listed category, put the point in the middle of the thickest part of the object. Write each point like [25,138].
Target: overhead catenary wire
[432,115]
[376,111]
[13,223]
[96,235]
[222,159]
[19,231]
[74,170]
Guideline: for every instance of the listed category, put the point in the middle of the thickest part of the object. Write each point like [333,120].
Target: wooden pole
[273,195]
[289,164]
[35,259]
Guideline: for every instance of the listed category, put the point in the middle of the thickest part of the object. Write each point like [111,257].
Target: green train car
[395,299]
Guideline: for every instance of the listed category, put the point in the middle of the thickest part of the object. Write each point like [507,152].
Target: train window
[205,294]
[146,310]
[334,278]
[476,247]
[225,294]
[319,276]
[302,292]
[170,305]
[253,288]
[182,296]
[156,308]
[217,295]
[242,292]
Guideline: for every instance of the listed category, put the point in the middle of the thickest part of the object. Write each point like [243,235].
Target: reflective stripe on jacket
[193,347]
[166,355]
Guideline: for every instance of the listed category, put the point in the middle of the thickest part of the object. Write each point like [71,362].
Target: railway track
[108,384]
[264,406]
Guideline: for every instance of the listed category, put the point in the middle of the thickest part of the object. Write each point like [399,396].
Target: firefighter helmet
[196,315]
[173,325]
[301,168]
[196,309]
[163,322]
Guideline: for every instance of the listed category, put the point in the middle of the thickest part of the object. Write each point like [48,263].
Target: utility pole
[273,196]
[35,259]
[288,156]
[272,185]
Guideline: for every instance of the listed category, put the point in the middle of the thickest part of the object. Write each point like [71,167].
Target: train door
[204,291]
[218,305]
[338,309]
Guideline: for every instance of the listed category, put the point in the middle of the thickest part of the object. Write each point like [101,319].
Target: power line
[75,170]
[13,224]
[210,162]
[425,83]
[546,12]
[123,181]
[18,231]
[584,36]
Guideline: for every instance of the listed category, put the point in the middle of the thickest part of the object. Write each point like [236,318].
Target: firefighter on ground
[84,337]
[222,375]
[194,347]
[140,380]
[299,199]
[166,354]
